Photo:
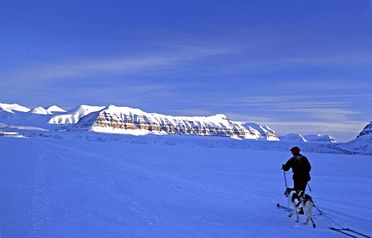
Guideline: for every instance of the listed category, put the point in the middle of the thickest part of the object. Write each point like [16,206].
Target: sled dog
[302,204]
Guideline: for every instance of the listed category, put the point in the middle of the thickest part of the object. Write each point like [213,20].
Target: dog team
[301,202]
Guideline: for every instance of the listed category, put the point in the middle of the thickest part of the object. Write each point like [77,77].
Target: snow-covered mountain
[54,108]
[265,131]
[47,111]
[367,130]
[362,143]
[319,138]
[18,116]
[125,120]
[73,116]
[293,137]
[39,110]
[13,108]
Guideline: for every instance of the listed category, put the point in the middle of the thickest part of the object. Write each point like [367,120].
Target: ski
[342,232]
[356,232]
[317,208]
[284,207]
[349,232]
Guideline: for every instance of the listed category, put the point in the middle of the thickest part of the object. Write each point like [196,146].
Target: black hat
[295,150]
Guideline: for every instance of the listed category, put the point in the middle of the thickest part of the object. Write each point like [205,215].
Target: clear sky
[295,65]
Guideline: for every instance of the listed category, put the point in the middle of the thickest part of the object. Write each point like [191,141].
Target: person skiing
[300,167]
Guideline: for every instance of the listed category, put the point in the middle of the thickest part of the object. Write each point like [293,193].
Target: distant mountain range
[54,121]
[126,120]
[308,138]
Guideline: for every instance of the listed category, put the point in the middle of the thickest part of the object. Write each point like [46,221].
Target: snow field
[71,188]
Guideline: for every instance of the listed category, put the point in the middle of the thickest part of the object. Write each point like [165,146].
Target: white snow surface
[152,187]
[137,132]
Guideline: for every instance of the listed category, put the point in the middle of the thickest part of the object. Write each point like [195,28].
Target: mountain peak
[55,108]
[39,110]
[367,130]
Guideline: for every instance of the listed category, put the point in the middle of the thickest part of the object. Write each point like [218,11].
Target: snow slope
[363,142]
[367,130]
[70,188]
[73,116]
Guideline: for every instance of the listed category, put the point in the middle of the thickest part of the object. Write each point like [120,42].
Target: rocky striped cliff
[127,120]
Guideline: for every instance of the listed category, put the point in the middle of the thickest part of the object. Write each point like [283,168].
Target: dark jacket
[300,167]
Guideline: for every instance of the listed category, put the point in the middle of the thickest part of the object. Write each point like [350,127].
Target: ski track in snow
[40,213]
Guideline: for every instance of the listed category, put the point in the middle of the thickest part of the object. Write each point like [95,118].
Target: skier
[300,167]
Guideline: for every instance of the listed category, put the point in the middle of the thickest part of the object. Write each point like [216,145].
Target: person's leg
[300,184]
[303,185]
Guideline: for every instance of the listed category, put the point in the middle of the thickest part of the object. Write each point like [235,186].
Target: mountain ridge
[126,120]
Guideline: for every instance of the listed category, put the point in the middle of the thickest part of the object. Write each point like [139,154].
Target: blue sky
[298,66]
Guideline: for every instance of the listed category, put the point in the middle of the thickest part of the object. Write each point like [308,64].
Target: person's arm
[287,165]
[308,165]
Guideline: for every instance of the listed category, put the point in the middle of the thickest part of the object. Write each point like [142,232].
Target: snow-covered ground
[153,188]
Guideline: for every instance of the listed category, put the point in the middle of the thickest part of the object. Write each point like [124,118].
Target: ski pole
[286,187]
[308,185]
[285,179]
